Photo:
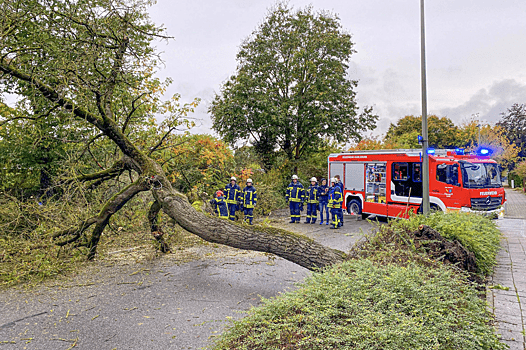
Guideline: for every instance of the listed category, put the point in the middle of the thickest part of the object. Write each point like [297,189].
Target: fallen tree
[89,63]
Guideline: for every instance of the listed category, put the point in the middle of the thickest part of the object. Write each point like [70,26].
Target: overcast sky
[476,52]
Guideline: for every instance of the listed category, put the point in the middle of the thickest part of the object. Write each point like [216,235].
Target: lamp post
[425,144]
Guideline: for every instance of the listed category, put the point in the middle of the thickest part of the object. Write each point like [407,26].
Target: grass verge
[392,295]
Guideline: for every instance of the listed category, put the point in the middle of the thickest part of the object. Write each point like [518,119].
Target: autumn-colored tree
[373,143]
[197,163]
[494,137]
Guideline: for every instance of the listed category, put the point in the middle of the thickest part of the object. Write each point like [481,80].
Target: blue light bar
[430,151]
[484,151]
[459,151]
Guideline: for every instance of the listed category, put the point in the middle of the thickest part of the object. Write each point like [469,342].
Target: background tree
[291,89]
[199,163]
[442,132]
[494,137]
[33,148]
[91,61]
[520,171]
[514,122]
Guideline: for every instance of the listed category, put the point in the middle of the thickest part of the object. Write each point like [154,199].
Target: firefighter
[340,185]
[335,203]
[312,197]
[233,196]
[219,205]
[250,198]
[323,191]
[295,196]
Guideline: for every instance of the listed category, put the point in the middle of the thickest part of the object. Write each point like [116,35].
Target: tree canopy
[291,90]
[442,132]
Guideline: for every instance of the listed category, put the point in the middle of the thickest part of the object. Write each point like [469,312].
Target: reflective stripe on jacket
[313,194]
[220,207]
[335,197]
[295,192]
[232,193]
[250,197]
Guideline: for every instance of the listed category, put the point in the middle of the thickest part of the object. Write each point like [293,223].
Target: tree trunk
[296,248]
[157,233]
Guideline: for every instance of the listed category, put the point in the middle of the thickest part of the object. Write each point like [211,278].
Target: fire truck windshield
[480,175]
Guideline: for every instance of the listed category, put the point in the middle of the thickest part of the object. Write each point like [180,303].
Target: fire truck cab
[389,182]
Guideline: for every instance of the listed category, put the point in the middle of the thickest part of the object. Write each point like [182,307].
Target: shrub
[361,305]
[476,233]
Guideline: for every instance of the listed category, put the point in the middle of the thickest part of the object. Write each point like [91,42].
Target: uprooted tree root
[439,248]
[425,246]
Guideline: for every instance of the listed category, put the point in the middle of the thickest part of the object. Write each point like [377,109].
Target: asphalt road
[158,304]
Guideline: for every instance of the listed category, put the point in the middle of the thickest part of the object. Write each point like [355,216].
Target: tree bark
[296,248]
[157,233]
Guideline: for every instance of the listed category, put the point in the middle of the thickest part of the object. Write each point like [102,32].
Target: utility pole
[425,142]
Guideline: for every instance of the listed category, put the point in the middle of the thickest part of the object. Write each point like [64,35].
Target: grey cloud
[490,102]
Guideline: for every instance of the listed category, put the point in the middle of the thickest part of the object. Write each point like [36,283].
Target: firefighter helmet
[333,180]
[249,181]
[233,178]
[219,193]
[294,177]
[314,179]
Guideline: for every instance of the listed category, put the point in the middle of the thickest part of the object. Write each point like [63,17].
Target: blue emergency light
[459,151]
[484,151]
[431,151]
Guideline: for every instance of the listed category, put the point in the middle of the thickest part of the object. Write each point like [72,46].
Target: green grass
[363,305]
[390,296]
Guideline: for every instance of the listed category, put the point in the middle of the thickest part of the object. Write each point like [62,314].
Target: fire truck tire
[354,207]
[434,207]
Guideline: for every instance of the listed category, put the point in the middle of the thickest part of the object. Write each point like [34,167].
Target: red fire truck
[389,182]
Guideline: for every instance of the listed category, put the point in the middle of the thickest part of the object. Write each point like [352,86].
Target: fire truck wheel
[354,207]
[434,207]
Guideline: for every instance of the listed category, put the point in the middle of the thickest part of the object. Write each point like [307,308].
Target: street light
[425,142]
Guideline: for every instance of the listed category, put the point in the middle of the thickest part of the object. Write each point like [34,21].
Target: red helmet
[219,193]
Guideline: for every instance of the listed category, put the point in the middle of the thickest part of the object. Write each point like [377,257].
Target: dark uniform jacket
[232,193]
[313,194]
[250,197]
[335,197]
[295,192]
[220,207]
[323,195]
